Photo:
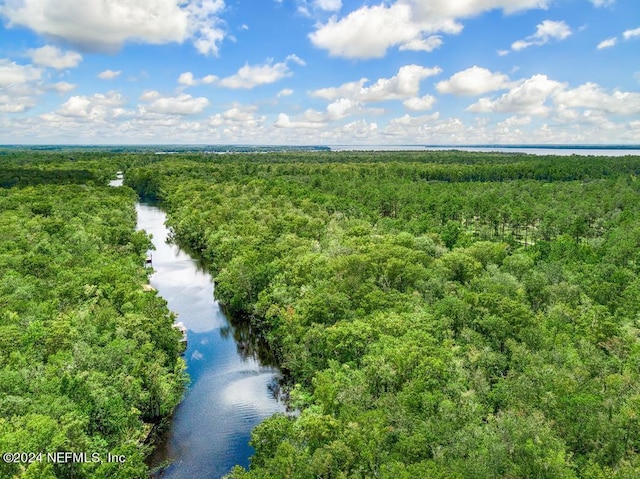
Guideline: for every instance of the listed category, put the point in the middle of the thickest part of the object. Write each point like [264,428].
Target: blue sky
[320,71]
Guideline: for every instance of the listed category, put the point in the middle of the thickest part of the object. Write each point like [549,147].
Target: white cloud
[13,74]
[473,81]
[239,116]
[631,33]
[515,121]
[188,79]
[13,103]
[420,104]
[182,104]
[64,87]
[405,84]
[370,31]
[471,8]
[204,25]
[295,59]
[349,90]
[329,5]
[546,31]
[341,108]
[108,24]
[285,92]
[50,56]
[361,130]
[602,3]
[97,107]
[109,74]
[149,95]
[592,96]
[528,97]
[284,121]
[408,126]
[423,44]
[608,43]
[250,76]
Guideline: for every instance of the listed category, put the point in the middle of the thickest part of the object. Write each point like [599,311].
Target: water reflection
[249,341]
[233,384]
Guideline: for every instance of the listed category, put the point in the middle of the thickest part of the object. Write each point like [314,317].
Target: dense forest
[441,315]
[89,359]
[436,314]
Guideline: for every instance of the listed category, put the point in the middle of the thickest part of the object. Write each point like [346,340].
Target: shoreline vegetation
[89,361]
[440,314]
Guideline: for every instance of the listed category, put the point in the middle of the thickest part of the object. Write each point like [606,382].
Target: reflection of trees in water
[249,342]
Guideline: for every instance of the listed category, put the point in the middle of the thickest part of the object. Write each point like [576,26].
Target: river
[230,390]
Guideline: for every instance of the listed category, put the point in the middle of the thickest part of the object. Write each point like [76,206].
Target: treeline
[441,329]
[89,360]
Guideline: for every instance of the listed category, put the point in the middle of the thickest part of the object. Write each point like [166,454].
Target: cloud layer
[106,25]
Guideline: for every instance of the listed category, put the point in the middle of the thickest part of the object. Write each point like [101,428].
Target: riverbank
[230,390]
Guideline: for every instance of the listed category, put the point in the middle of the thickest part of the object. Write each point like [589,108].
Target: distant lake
[560,150]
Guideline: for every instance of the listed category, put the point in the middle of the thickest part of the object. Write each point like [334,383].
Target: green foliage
[446,315]
[86,355]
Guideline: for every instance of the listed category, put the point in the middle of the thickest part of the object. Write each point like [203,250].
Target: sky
[320,72]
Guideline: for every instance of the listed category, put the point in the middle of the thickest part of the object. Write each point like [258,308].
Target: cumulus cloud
[108,24]
[250,76]
[341,108]
[631,33]
[109,74]
[182,104]
[16,104]
[473,81]
[53,57]
[420,104]
[243,116]
[284,121]
[592,96]
[13,74]
[427,44]
[411,126]
[97,107]
[64,87]
[405,84]
[515,121]
[608,43]
[370,31]
[204,26]
[20,85]
[285,92]
[187,79]
[546,31]
[527,97]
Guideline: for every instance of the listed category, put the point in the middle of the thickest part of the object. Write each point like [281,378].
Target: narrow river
[230,390]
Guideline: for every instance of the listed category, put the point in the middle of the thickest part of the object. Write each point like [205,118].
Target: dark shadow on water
[250,342]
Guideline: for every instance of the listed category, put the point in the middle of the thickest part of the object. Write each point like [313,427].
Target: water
[230,390]
[559,150]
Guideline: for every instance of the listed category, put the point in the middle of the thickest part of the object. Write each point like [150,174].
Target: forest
[89,360]
[441,315]
[436,314]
